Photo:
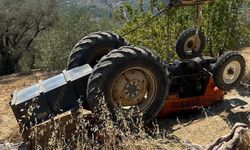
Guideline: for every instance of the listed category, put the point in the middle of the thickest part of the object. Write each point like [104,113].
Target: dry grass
[107,134]
[104,133]
[9,129]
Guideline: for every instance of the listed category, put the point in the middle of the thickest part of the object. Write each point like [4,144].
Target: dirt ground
[199,127]
[204,126]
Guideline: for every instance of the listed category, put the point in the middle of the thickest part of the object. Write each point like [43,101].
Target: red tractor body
[176,104]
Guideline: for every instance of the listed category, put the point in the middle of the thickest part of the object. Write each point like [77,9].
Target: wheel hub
[190,44]
[231,72]
[132,89]
[193,43]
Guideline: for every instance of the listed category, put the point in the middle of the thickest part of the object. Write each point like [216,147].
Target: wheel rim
[231,72]
[134,90]
[193,43]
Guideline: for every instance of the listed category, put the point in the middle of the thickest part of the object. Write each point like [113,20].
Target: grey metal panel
[54,83]
[79,72]
[27,94]
[14,98]
[62,91]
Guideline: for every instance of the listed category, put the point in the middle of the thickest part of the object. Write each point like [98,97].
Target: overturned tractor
[132,80]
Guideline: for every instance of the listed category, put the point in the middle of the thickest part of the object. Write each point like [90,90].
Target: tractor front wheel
[229,70]
[133,81]
[190,43]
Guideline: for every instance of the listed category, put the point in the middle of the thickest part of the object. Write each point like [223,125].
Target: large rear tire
[229,70]
[92,47]
[131,79]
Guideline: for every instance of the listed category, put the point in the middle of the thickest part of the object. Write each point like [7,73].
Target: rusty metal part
[193,43]
[199,21]
[66,122]
[193,2]
[134,88]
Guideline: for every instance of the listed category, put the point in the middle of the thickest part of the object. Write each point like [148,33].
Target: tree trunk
[7,65]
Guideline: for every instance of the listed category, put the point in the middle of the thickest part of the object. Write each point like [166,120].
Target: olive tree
[21,22]
[54,45]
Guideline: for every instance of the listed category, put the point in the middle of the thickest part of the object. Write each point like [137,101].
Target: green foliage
[55,45]
[223,23]
[41,33]
[226,26]
[21,22]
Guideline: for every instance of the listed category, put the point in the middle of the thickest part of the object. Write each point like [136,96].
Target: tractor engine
[189,77]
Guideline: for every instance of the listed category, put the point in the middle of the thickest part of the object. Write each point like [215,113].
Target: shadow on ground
[244,88]
[223,109]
